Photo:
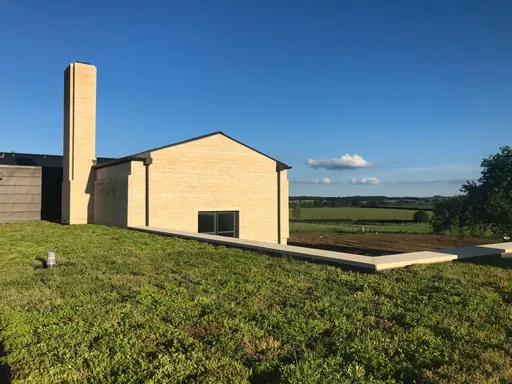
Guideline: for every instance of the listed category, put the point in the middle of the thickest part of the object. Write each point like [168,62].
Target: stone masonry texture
[79,143]
[212,173]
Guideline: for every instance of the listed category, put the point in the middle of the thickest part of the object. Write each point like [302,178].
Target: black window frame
[236,223]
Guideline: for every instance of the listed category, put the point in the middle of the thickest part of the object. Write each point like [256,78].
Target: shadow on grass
[493,260]
[310,259]
[490,256]
[43,265]
[266,376]
[339,248]
[5,369]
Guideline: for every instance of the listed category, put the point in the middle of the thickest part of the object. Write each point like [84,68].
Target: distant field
[352,220]
[413,228]
[355,213]
[425,207]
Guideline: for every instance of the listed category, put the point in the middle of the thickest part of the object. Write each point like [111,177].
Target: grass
[353,219]
[355,213]
[420,228]
[128,307]
[426,206]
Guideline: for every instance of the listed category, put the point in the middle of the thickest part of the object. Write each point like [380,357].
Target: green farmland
[356,220]
[129,307]
[355,213]
[425,207]
[413,228]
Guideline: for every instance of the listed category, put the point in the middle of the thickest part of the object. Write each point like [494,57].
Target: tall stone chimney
[79,143]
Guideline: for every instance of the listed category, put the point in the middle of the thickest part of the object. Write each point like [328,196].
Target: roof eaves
[282,165]
[142,155]
[122,160]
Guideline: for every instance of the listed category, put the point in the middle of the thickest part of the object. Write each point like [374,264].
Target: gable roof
[141,156]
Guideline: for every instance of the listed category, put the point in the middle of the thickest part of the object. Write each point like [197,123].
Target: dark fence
[20,193]
[30,193]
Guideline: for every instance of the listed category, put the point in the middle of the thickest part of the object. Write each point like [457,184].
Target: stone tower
[79,143]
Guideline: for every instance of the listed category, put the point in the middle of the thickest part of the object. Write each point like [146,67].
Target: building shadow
[51,193]
[489,256]
[89,190]
[5,369]
[494,261]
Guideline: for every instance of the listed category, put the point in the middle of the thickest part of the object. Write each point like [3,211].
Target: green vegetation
[421,217]
[296,212]
[414,203]
[419,206]
[485,206]
[354,219]
[128,307]
[414,228]
[356,213]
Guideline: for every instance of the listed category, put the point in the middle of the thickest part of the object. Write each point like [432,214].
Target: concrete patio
[373,263]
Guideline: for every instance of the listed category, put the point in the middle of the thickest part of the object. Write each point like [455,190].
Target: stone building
[209,184]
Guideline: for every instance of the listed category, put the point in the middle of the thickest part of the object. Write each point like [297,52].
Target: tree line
[484,207]
[366,202]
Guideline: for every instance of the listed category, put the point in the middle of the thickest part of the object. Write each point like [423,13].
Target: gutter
[120,161]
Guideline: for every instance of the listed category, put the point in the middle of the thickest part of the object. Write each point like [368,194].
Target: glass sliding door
[221,223]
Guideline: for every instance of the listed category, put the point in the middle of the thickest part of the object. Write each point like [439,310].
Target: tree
[297,212]
[421,217]
[453,216]
[486,205]
[447,214]
[491,196]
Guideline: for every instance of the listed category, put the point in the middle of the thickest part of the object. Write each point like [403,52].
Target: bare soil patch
[378,244]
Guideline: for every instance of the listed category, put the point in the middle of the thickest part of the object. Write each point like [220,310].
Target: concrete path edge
[375,263]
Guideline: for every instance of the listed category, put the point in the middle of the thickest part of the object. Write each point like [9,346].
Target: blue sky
[420,91]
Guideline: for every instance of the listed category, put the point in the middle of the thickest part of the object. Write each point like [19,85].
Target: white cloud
[426,182]
[375,181]
[455,167]
[324,180]
[365,181]
[340,163]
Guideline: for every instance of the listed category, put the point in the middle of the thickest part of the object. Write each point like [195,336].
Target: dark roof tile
[37,160]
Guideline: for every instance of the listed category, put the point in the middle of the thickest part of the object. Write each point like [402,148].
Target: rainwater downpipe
[278,170]
[147,162]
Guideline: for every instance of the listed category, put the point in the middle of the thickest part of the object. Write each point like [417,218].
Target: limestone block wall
[137,194]
[111,195]
[215,174]
[120,194]
[79,143]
